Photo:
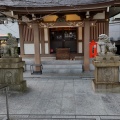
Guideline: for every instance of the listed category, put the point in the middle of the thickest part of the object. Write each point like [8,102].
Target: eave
[59,9]
[117,2]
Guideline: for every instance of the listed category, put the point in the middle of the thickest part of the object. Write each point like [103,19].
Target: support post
[107,23]
[21,27]
[37,46]
[86,45]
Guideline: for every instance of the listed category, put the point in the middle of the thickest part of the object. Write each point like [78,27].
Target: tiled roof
[48,3]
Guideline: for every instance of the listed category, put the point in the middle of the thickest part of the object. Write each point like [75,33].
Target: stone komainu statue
[11,48]
[106,47]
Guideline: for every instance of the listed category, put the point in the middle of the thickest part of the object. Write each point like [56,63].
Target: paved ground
[61,96]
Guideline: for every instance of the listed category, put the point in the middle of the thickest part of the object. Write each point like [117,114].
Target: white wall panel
[40,49]
[29,49]
[80,33]
[80,47]
[46,34]
[46,48]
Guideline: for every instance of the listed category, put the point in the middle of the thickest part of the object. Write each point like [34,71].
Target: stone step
[78,66]
[61,66]
[54,61]
[83,75]
[62,62]
[62,70]
[58,117]
[71,64]
[61,119]
[47,117]
[53,119]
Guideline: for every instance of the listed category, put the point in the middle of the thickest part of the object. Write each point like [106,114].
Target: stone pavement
[61,98]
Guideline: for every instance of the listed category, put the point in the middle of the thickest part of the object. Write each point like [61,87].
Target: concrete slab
[61,97]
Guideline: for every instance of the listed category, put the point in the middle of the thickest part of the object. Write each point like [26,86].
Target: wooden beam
[53,12]
[9,15]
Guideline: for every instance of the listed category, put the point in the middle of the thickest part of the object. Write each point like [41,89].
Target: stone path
[61,96]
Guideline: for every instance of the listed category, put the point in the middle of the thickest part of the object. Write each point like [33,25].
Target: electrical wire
[9,28]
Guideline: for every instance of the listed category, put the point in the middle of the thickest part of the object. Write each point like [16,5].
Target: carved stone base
[21,87]
[11,73]
[106,74]
[107,58]
[106,87]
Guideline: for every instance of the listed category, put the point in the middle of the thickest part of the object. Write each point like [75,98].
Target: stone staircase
[62,67]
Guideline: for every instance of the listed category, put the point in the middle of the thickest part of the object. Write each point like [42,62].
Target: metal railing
[36,65]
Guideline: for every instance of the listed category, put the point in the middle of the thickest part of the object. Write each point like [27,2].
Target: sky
[10,28]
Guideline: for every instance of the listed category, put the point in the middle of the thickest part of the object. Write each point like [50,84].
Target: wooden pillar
[42,40]
[0,49]
[37,45]
[21,27]
[48,41]
[107,23]
[86,45]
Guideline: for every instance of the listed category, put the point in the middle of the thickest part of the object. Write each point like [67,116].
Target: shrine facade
[45,27]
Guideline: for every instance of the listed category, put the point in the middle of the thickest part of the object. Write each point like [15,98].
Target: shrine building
[62,29]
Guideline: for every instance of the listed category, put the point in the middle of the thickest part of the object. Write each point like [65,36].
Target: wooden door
[63,38]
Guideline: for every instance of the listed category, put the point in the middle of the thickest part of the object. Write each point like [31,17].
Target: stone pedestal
[11,73]
[106,74]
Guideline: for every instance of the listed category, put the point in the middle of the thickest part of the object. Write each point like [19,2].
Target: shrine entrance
[64,37]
